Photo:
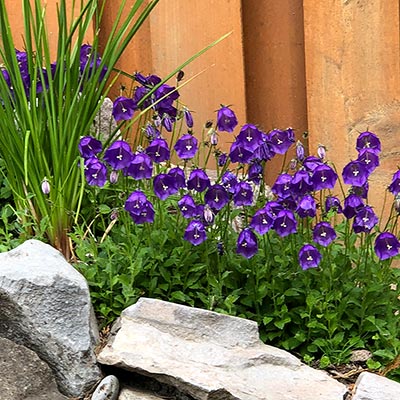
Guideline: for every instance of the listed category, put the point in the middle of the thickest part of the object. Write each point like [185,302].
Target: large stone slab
[210,356]
[375,387]
[24,376]
[45,306]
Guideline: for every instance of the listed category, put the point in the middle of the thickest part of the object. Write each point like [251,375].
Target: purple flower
[95,172]
[178,174]
[186,147]
[222,159]
[333,203]
[229,181]
[152,132]
[198,180]
[264,151]
[361,191]
[281,187]
[140,209]
[45,186]
[368,140]
[273,208]
[118,155]
[355,173]
[188,117]
[312,162]
[309,257]
[141,167]
[249,137]
[364,220]
[324,177]
[306,207]
[352,204]
[369,158]
[226,119]
[386,245]
[238,153]
[164,186]
[301,183]
[262,221]
[243,195]
[195,232]
[158,150]
[208,214]
[123,108]
[247,243]
[187,206]
[167,122]
[300,151]
[216,197]
[394,187]
[255,173]
[285,223]
[321,151]
[323,234]
[281,140]
[89,146]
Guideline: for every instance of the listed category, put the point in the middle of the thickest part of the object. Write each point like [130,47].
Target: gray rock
[45,306]
[375,387]
[104,124]
[136,394]
[210,356]
[108,389]
[24,376]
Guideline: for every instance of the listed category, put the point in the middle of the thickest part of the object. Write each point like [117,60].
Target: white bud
[45,186]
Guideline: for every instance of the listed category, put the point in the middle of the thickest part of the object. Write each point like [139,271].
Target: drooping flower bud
[300,152]
[114,177]
[45,186]
[213,136]
[397,203]
[321,151]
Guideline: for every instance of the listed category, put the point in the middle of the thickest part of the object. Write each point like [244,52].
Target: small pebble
[107,389]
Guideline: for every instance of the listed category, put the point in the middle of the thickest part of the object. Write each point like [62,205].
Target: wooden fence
[327,67]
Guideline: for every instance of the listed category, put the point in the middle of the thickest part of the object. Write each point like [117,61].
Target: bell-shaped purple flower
[164,186]
[281,140]
[216,197]
[222,158]
[365,220]
[187,206]
[255,173]
[301,183]
[243,195]
[118,155]
[285,223]
[306,207]
[262,221]
[198,180]
[310,163]
[368,140]
[333,203]
[140,208]
[247,245]
[229,181]
[178,174]
[394,187]
[226,119]
[369,158]
[309,257]
[89,146]
[264,151]
[238,153]
[195,232]
[355,173]
[123,108]
[323,234]
[186,147]
[141,167]
[281,187]
[249,137]
[158,150]
[273,208]
[352,204]
[386,245]
[323,177]
[95,172]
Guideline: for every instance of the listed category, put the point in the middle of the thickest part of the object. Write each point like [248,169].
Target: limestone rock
[45,306]
[104,124]
[24,376]
[375,387]
[210,356]
[108,389]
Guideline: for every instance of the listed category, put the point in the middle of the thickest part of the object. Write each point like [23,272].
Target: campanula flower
[262,221]
[365,219]
[226,119]
[95,172]
[323,177]
[281,140]
[158,150]
[306,207]
[281,187]
[255,173]
[216,197]
[89,146]
[247,243]
[222,159]
[394,187]
[243,195]
[300,151]
[164,186]
[386,245]
[368,140]
[186,147]
[141,167]
[123,108]
[187,206]
[240,154]
[195,232]
[333,203]
[355,173]
[323,234]
[229,181]
[309,257]
[369,158]
[250,137]
[178,174]
[301,183]
[264,151]
[198,180]
[352,204]
[285,223]
[140,208]
[321,151]
[118,155]
[188,117]
[310,163]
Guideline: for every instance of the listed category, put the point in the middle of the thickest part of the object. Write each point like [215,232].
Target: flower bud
[45,186]
[114,177]
[300,152]
[293,164]
[208,214]
[321,151]
[213,137]
[397,203]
